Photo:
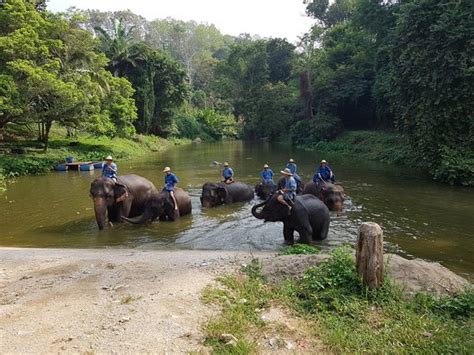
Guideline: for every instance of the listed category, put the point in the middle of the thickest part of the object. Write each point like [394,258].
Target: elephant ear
[120,192]
[222,194]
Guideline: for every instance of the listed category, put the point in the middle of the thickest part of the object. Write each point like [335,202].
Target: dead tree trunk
[369,254]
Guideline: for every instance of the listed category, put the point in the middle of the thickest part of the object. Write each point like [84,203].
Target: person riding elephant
[287,194]
[332,195]
[161,206]
[170,184]
[228,174]
[214,194]
[324,173]
[291,165]
[109,169]
[309,217]
[267,186]
[125,197]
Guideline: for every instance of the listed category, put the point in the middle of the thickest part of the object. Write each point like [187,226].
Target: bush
[323,127]
[456,167]
[299,249]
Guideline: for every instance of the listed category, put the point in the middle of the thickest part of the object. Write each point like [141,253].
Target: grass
[34,161]
[348,317]
[299,249]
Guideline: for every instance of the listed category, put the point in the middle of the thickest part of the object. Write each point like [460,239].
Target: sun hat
[291,160]
[109,157]
[165,170]
[226,164]
[286,171]
[265,166]
[324,161]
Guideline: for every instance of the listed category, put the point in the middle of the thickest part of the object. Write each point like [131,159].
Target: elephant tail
[143,218]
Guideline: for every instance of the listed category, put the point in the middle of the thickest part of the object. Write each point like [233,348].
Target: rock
[124,319]
[229,337]
[273,342]
[427,334]
[289,345]
[243,301]
[286,267]
[197,140]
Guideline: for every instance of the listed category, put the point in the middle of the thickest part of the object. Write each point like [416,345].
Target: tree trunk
[306,93]
[46,134]
[369,254]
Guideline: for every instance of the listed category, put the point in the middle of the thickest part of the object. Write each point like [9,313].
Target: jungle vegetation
[402,66]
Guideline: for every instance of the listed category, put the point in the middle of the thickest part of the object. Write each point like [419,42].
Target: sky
[267,18]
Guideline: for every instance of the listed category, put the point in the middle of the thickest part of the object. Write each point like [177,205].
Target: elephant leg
[124,208]
[322,233]
[306,233]
[113,214]
[288,235]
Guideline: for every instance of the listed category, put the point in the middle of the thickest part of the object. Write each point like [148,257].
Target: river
[420,218]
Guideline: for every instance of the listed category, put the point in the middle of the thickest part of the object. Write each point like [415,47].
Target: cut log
[369,254]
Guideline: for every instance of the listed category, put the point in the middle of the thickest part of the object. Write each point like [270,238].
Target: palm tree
[117,45]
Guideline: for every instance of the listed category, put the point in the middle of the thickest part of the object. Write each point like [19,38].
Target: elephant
[265,189]
[331,194]
[125,197]
[160,205]
[214,194]
[309,217]
[299,185]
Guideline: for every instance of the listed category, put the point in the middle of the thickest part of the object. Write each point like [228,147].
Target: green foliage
[298,249]
[323,127]
[432,80]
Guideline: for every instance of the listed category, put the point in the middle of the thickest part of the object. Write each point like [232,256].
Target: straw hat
[109,157]
[287,172]
[167,169]
[226,164]
[324,161]
[291,160]
[265,166]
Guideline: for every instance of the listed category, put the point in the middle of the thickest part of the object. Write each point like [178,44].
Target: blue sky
[267,18]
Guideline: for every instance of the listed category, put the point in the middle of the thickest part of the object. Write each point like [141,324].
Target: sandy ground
[107,301]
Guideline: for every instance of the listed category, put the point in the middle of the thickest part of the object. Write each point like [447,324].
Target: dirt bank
[55,300]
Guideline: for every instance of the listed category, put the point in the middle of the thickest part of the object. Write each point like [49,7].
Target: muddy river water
[420,218]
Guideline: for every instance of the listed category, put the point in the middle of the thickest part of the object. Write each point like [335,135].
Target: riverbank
[394,148]
[27,157]
[77,300]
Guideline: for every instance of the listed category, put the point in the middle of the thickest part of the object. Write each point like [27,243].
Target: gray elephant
[331,194]
[215,194]
[161,206]
[265,189]
[125,197]
[309,217]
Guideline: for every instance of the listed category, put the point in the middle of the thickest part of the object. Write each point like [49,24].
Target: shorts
[289,197]
[169,188]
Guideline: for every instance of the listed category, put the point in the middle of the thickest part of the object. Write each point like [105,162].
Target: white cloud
[267,18]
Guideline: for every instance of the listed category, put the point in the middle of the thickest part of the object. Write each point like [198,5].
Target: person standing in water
[109,169]
[228,174]
[170,184]
[288,192]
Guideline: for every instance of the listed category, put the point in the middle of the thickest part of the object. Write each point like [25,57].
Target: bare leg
[281,200]
[174,200]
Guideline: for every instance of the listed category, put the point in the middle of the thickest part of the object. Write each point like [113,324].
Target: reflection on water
[420,218]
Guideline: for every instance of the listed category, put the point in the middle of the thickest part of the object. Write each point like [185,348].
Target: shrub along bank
[393,148]
[31,160]
[339,312]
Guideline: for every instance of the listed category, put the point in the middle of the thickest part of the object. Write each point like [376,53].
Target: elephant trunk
[256,213]
[143,218]
[100,208]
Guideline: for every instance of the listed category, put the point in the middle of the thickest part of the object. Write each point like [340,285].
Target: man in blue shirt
[170,184]
[288,192]
[228,174]
[291,165]
[267,175]
[110,170]
[324,173]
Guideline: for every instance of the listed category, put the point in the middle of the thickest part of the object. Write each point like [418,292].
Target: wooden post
[369,254]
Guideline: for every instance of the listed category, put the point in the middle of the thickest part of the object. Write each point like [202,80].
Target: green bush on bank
[82,148]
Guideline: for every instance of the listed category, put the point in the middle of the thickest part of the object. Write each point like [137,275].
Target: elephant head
[333,196]
[214,195]
[157,205]
[105,192]
[265,189]
[270,210]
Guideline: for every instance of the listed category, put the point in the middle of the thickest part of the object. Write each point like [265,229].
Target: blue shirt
[325,172]
[292,167]
[267,175]
[170,181]
[227,173]
[108,172]
[290,185]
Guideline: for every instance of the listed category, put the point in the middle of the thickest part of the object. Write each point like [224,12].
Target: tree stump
[369,254]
